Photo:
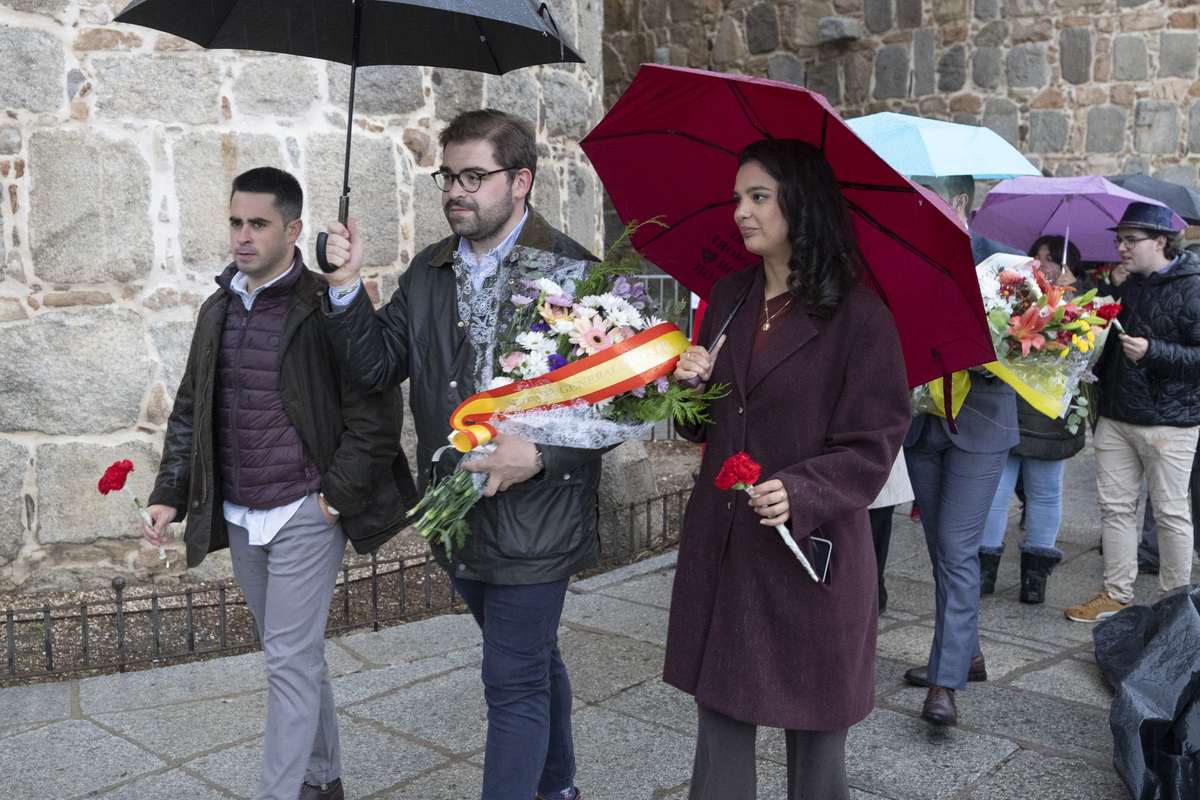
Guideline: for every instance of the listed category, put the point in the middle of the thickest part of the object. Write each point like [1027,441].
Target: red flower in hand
[739,468]
[114,476]
[1109,312]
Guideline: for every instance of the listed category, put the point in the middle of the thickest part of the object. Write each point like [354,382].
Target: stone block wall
[1080,86]
[117,148]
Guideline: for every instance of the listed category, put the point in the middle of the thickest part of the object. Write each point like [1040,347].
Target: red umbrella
[669,148]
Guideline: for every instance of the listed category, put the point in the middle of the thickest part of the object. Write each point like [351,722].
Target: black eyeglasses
[469,180]
[1130,241]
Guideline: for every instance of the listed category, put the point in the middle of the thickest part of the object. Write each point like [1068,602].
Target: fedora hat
[1148,217]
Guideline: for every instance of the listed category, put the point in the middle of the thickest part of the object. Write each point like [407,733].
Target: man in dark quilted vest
[270,453]
[1149,387]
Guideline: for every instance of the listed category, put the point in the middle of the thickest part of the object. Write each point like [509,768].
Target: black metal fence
[138,631]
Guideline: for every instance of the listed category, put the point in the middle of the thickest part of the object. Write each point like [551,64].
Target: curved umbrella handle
[323,262]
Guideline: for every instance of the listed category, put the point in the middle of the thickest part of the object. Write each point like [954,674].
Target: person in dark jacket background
[271,453]
[537,523]
[1149,405]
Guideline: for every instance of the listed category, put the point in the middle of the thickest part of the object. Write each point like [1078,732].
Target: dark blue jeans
[529,746]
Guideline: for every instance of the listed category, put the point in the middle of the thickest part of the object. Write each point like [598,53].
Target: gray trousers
[725,768]
[288,585]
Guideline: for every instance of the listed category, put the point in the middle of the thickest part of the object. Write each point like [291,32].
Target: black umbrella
[1183,201]
[493,36]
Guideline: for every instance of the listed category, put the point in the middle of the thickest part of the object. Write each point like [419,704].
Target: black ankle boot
[989,565]
[1036,565]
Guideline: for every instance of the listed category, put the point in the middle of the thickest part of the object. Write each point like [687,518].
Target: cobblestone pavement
[413,717]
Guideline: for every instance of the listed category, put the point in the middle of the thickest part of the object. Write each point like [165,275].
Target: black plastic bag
[1151,657]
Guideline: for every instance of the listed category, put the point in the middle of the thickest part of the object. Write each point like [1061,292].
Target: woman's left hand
[770,500]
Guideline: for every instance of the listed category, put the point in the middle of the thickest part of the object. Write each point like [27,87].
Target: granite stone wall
[1080,86]
[117,148]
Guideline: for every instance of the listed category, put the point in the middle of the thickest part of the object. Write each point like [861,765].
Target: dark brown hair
[825,262]
[512,138]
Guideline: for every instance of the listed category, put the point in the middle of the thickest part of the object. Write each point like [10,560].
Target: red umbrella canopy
[669,149]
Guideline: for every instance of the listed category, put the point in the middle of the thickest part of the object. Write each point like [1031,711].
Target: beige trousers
[1162,456]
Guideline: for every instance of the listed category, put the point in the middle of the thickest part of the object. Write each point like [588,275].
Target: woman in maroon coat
[818,396]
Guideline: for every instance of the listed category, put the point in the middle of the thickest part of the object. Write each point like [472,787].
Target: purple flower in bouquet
[639,391]
[635,293]
[555,361]
[540,327]
[520,300]
[662,384]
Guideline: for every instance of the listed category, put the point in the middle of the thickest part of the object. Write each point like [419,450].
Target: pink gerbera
[590,335]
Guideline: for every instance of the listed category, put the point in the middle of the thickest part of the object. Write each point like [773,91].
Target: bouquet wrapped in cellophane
[1046,342]
[576,356]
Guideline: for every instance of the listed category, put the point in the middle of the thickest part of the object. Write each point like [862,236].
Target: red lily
[1025,329]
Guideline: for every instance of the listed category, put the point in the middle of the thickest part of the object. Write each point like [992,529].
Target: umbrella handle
[694,383]
[323,237]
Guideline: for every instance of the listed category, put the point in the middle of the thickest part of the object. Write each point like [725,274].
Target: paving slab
[613,753]
[235,769]
[455,780]
[374,760]
[447,711]
[199,680]
[611,615]
[1033,775]
[663,562]
[173,783]
[658,703]
[1069,679]
[895,755]
[415,640]
[38,703]
[652,590]
[182,731]
[382,680]
[34,764]
[1071,729]
[600,666]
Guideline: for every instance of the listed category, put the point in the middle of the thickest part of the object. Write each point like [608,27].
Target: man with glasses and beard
[1149,387]
[536,524]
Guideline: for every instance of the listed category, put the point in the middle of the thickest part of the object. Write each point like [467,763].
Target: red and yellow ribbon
[625,366]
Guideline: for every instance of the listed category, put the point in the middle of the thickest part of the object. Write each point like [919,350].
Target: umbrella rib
[875,187]
[747,109]
[682,220]
[867,218]
[665,132]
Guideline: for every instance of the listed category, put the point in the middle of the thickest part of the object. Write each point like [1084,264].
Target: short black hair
[289,198]
[512,138]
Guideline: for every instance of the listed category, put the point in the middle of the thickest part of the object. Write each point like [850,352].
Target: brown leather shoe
[919,676]
[330,791]
[939,706]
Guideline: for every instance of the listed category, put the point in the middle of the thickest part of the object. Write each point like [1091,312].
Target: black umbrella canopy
[494,36]
[1183,201]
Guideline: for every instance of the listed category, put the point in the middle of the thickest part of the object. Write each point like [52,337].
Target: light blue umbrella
[930,147]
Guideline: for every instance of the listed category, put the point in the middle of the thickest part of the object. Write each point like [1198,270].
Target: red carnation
[114,476]
[738,469]
[1109,311]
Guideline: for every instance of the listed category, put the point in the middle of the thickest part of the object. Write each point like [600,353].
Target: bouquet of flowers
[561,314]
[1046,342]
[113,479]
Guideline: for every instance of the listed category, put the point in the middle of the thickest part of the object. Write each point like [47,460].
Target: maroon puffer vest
[263,463]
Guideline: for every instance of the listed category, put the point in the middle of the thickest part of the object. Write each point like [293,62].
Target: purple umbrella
[1018,211]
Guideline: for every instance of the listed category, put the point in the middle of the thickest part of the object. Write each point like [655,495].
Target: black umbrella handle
[323,237]
[694,383]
